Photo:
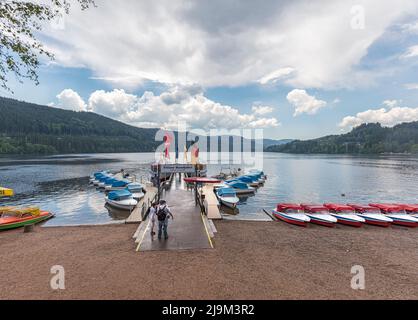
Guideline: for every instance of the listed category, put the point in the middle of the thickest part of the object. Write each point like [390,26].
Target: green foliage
[32,129]
[19,48]
[369,138]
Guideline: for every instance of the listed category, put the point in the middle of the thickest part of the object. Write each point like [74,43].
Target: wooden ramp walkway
[211,203]
[137,214]
[188,230]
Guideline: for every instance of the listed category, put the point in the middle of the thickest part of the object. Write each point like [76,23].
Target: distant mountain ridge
[369,138]
[27,128]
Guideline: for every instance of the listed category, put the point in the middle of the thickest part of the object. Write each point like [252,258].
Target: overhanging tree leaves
[19,48]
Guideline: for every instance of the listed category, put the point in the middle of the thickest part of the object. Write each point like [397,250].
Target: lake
[60,184]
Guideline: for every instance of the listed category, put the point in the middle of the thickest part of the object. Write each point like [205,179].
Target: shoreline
[251,260]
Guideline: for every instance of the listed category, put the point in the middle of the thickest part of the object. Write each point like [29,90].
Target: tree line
[27,128]
[369,138]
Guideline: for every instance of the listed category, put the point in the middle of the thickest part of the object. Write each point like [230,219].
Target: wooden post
[28,228]
[195,187]
[158,182]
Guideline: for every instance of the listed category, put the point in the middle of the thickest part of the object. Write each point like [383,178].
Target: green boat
[12,218]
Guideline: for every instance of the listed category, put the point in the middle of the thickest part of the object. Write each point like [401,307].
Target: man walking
[163,215]
[152,214]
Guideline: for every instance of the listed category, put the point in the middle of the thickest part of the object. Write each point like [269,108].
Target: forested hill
[27,128]
[369,138]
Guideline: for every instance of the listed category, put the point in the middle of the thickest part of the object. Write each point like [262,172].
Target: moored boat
[121,199]
[137,190]
[372,215]
[201,180]
[411,209]
[118,185]
[227,197]
[259,173]
[397,214]
[241,187]
[12,218]
[250,180]
[345,214]
[291,213]
[319,215]
[106,182]
[99,177]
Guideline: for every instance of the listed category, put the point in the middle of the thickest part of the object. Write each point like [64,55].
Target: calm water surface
[60,183]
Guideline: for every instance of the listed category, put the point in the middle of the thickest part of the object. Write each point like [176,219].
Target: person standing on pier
[163,215]
[152,214]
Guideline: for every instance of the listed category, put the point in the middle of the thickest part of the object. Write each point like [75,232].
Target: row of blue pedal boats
[121,193]
[229,191]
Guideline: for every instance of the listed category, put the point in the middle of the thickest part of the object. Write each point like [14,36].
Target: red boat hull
[201,180]
[350,223]
[405,224]
[291,221]
[322,223]
[378,223]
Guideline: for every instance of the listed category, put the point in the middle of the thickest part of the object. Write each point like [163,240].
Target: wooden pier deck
[210,203]
[188,230]
[137,214]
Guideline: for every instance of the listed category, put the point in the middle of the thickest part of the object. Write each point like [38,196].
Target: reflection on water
[60,184]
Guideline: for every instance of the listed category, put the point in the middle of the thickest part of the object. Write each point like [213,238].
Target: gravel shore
[251,260]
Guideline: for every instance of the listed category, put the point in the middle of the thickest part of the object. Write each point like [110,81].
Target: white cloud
[391,103]
[411,52]
[410,27]
[386,117]
[261,110]
[216,43]
[304,103]
[411,86]
[177,104]
[70,100]
[276,75]
[113,103]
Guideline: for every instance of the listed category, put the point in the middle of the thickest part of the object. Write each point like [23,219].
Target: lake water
[60,183]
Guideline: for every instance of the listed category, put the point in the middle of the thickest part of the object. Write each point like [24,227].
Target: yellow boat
[4,192]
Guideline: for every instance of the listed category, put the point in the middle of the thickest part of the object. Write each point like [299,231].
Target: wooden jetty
[210,202]
[138,213]
[190,228]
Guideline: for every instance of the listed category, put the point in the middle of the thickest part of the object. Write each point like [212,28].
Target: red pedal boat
[372,215]
[345,214]
[291,213]
[319,215]
[412,209]
[397,214]
[201,180]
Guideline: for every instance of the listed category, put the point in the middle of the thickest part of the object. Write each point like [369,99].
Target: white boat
[372,215]
[345,214]
[397,213]
[121,199]
[291,213]
[118,185]
[228,197]
[137,190]
[319,215]
[241,188]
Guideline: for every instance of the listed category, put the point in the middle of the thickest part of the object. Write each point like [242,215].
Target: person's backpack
[161,214]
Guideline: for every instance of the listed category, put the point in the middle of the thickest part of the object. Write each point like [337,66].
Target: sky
[296,69]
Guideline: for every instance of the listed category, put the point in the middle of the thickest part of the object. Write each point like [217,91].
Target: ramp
[187,231]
